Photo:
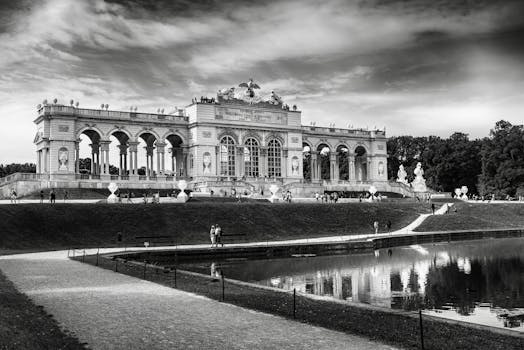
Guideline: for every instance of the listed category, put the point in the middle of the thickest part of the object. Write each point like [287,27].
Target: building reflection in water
[478,281]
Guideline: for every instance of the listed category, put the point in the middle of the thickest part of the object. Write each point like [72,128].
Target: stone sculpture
[419,183]
[401,175]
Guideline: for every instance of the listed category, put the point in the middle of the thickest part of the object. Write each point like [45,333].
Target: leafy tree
[12,168]
[503,160]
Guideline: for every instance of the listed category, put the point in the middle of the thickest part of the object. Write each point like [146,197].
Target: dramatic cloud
[398,64]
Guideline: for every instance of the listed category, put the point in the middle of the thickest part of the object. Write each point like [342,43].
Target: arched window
[251,157]
[227,156]
[274,159]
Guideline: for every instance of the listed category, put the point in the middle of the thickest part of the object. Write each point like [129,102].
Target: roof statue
[250,86]
[226,94]
[275,99]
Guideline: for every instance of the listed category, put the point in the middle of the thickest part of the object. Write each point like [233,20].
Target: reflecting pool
[474,281]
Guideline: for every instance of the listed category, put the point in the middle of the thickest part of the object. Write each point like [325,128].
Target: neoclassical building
[234,140]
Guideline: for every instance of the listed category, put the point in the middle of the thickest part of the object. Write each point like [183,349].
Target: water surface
[475,281]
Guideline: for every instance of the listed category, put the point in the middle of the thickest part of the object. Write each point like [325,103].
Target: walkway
[114,311]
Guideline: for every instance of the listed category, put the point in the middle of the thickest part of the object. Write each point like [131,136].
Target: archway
[306,162]
[147,141]
[343,162]
[118,151]
[361,169]
[87,160]
[177,155]
[324,163]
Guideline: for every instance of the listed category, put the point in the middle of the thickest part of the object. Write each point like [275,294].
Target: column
[333,166]
[123,156]
[104,146]
[38,162]
[284,163]
[239,168]
[133,148]
[263,161]
[183,163]
[314,166]
[351,165]
[217,158]
[150,165]
[95,149]
[160,148]
[77,157]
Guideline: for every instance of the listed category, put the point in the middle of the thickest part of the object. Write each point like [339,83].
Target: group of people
[215,235]
[13,197]
[327,197]
[286,196]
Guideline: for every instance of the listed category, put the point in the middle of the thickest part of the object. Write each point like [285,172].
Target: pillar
[149,164]
[351,165]
[314,166]
[183,163]
[239,160]
[217,158]
[77,157]
[160,148]
[284,164]
[133,157]
[95,150]
[122,170]
[104,145]
[333,166]
[263,162]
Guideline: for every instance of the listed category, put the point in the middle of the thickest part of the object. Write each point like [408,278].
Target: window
[274,159]
[251,157]
[227,156]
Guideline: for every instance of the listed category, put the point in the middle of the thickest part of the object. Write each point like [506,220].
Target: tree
[503,160]
[12,168]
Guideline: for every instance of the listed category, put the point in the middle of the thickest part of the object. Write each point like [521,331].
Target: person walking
[41,196]
[376,225]
[218,234]
[52,196]
[13,196]
[433,208]
[212,236]
[66,195]
[388,225]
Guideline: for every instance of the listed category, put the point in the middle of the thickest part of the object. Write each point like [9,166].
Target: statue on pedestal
[419,184]
[401,175]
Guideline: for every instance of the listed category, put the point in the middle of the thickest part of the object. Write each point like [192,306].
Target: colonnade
[128,159]
[334,166]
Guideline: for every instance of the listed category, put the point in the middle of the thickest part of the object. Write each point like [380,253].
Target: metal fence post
[294,302]
[223,288]
[421,329]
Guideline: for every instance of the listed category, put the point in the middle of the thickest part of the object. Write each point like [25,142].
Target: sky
[414,67]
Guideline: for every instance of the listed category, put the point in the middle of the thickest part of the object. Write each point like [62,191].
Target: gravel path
[113,311]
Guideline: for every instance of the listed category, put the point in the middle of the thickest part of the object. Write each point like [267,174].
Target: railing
[114,177]
[124,177]
[51,109]
[23,177]
[142,177]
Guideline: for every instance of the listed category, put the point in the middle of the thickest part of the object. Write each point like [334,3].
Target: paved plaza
[114,311]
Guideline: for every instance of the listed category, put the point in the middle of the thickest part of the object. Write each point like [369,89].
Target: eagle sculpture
[250,86]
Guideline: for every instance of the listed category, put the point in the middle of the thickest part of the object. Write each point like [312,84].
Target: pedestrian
[66,195]
[52,196]
[317,196]
[433,208]
[218,234]
[388,225]
[212,236]
[13,196]
[41,196]
[376,225]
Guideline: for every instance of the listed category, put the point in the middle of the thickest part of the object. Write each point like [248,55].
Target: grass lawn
[476,216]
[23,325]
[57,226]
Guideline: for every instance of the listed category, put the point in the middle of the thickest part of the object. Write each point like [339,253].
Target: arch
[320,143]
[171,135]
[324,161]
[306,161]
[251,135]
[176,151]
[272,136]
[361,163]
[228,132]
[251,157]
[147,138]
[274,158]
[119,131]
[343,161]
[92,132]
[227,156]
